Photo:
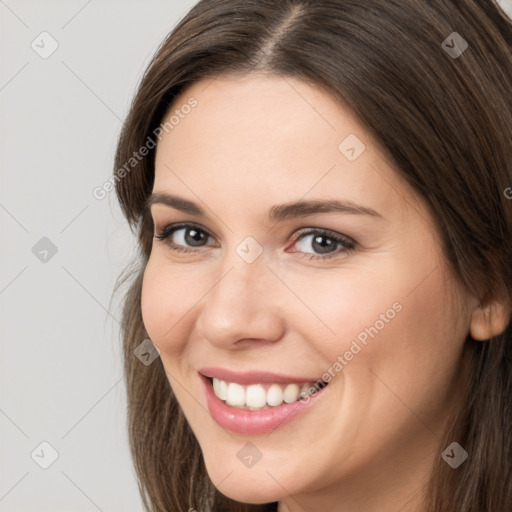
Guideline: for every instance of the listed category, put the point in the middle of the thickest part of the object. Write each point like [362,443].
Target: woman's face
[305,257]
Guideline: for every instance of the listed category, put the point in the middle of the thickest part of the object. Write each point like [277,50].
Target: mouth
[256,397]
[258,403]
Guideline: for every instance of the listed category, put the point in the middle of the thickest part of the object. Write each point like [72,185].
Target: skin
[369,444]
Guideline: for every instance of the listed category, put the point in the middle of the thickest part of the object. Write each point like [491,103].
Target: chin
[246,485]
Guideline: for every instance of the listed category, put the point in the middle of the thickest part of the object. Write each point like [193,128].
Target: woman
[321,194]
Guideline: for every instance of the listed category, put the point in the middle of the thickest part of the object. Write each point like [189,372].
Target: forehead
[261,139]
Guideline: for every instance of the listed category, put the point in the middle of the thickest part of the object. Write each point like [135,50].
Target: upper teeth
[258,396]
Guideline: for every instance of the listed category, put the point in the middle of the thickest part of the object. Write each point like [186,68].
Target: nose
[243,307]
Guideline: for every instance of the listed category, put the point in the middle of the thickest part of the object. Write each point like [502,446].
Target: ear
[489,320]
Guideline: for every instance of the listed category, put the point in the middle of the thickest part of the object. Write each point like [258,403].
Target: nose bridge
[242,304]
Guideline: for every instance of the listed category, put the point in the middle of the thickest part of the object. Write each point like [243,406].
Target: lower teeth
[246,407]
[251,408]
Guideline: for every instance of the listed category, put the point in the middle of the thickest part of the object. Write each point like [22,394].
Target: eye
[322,244]
[184,237]
[314,244]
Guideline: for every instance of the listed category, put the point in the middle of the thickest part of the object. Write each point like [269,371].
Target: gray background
[61,375]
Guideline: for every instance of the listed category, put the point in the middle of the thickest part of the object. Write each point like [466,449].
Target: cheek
[164,303]
[398,328]
[346,306]
[408,347]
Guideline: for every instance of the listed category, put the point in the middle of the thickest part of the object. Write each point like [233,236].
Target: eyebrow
[278,212]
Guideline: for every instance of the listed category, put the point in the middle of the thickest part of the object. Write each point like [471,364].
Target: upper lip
[252,377]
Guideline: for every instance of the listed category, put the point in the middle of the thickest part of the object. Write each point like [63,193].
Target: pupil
[323,247]
[194,237]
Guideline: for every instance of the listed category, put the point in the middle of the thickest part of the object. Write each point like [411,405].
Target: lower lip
[264,421]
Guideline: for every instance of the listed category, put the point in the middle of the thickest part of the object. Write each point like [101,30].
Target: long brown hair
[443,119]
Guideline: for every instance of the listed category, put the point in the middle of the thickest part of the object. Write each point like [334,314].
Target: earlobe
[489,320]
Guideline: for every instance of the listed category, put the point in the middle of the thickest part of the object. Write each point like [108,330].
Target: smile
[258,403]
[261,396]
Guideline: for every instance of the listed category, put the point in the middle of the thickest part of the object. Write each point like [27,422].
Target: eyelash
[346,243]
